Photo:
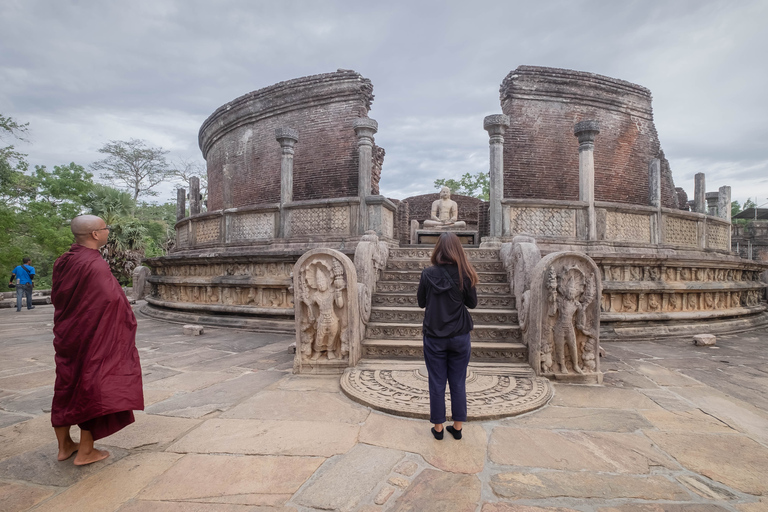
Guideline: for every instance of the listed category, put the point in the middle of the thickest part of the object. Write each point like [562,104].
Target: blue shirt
[22,273]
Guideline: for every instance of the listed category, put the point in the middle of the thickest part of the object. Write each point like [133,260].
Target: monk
[98,375]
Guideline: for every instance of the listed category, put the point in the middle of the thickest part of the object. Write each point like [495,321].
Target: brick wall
[243,157]
[541,157]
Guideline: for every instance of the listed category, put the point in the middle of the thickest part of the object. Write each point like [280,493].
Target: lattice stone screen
[680,231]
[251,226]
[317,221]
[717,236]
[543,221]
[207,231]
[627,227]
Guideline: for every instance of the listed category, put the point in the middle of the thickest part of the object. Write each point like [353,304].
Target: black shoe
[455,433]
[33,307]
[438,435]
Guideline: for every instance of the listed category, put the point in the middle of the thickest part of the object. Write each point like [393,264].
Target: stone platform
[401,388]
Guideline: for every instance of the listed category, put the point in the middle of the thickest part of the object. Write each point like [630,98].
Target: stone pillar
[194,195]
[699,194]
[586,132]
[654,183]
[712,199]
[181,204]
[495,125]
[724,207]
[365,128]
[287,137]
[654,198]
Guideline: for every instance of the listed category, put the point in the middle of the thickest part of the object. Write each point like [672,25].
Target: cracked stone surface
[228,428]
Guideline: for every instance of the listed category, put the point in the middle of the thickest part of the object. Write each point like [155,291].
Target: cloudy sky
[86,72]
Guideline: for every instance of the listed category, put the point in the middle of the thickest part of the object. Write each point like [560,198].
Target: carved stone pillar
[365,129]
[699,193]
[586,132]
[194,195]
[495,125]
[287,137]
[181,204]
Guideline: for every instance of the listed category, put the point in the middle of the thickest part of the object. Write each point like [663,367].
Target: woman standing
[447,289]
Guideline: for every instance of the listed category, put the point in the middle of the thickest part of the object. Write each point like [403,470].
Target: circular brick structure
[243,157]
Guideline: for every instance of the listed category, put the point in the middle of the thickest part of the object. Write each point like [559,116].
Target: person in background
[25,273]
[98,373]
[446,290]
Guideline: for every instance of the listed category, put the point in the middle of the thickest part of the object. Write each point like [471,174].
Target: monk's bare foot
[89,458]
[68,449]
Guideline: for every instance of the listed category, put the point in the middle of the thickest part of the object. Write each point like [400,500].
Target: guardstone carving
[326,312]
[563,317]
[370,260]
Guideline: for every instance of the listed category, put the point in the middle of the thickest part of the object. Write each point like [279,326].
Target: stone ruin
[585,236]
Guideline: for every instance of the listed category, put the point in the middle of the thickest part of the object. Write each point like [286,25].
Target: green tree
[134,164]
[474,185]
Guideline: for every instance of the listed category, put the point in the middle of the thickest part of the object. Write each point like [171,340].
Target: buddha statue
[445,213]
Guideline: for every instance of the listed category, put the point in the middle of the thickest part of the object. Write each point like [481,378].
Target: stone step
[500,352]
[412,287]
[424,253]
[409,299]
[413,276]
[408,331]
[415,264]
[415,315]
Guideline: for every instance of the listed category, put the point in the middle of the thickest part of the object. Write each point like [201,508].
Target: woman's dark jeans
[447,360]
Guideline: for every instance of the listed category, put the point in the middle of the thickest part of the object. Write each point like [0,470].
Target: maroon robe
[98,374]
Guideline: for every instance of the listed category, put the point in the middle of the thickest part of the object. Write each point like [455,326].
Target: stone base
[430,236]
[576,378]
[258,324]
[493,391]
[631,331]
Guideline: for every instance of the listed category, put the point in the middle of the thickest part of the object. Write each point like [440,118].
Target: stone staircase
[394,329]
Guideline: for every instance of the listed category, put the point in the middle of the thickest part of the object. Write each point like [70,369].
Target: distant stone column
[586,132]
[724,207]
[194,195]
[287,137]
[181,204]
[365,129]
[495,125]
[699,193]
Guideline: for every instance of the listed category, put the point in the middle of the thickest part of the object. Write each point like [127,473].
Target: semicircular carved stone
[563,318]
[492,393]
[327,314]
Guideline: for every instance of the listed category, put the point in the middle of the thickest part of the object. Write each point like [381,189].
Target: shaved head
[84,226]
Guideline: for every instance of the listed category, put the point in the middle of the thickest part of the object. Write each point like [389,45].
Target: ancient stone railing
[299,222]
[621,223]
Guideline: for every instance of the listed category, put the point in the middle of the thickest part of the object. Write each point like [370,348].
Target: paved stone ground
[228,428]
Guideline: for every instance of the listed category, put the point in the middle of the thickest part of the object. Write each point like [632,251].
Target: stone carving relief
[564,317]
[251,226]
[207,231]
[370,260]
[680,231]
[388,223]
[627,227]
[315,221]
[553,222]
[326,313]
[717,236]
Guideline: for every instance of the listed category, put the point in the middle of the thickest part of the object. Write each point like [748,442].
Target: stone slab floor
[228,428]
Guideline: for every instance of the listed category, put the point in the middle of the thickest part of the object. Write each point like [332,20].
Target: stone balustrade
[627,224]
[302,222]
